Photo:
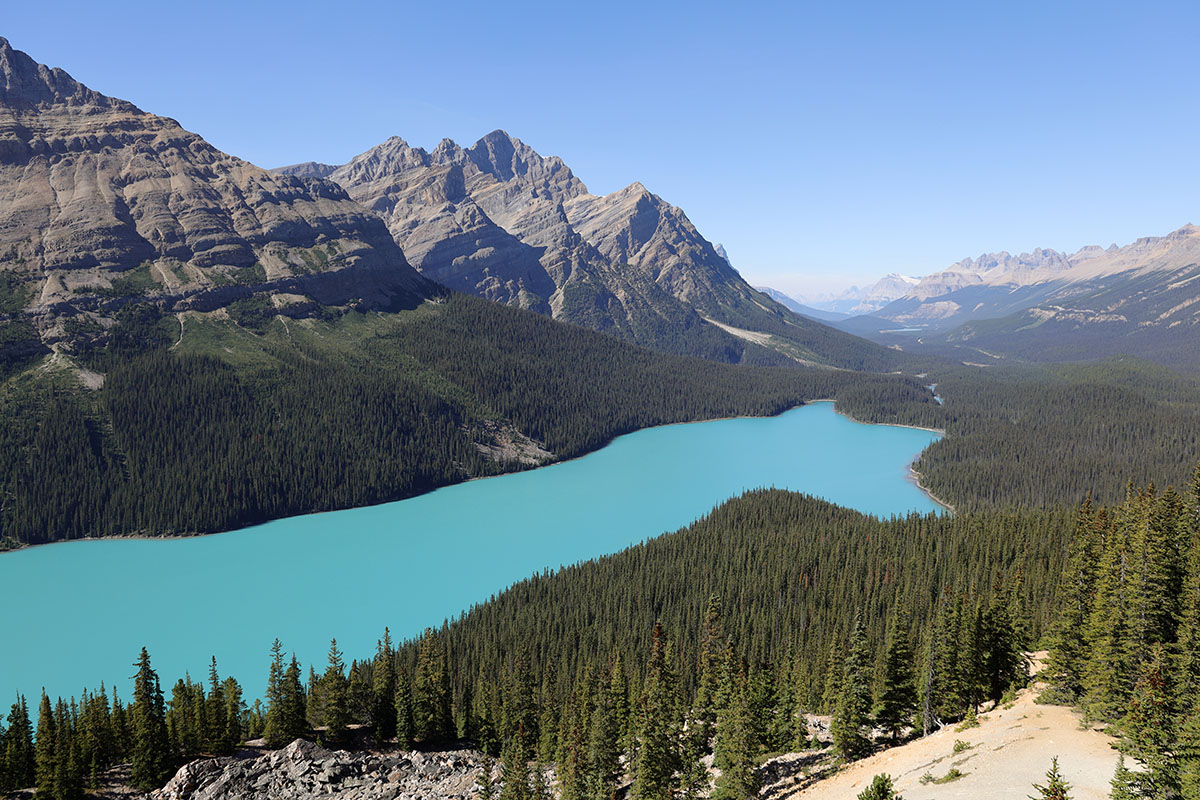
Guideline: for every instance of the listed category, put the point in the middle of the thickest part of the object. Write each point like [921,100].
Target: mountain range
[1142,299]
[501,221]
[103,204]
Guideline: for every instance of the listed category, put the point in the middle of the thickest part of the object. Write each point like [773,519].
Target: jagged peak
[24,83]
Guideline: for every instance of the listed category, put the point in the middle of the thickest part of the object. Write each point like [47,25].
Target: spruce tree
[431,694]
[514,771]
[18,755]
[1068,645]
[405,728]
[1149,728]
[275,730]
[1055,787]
[656,757]
[736,748]
[216,734]
[881,788]
[334,688]
[294,701]
[711,668]
[150,756]
[45,752]
[384,689]
[898,694]
[852,714]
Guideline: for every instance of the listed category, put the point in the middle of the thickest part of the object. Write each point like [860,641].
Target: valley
[434,472]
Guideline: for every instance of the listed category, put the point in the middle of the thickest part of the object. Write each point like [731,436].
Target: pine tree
[405,727]
[46,754]
[216,734]
[737,748]
[1149,728]
[295,706]
[657,756]
[150,755]
[431,695]
[1068,643]
[1055,787]
[1124,784]
[384,689]
[898,695]
[604,739]
[514,772]
[276,729]
[880,789]
[334,689]
[851,716]
[18,755]
[711,668]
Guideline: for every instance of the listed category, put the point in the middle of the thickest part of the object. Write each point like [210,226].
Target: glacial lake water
[77,613]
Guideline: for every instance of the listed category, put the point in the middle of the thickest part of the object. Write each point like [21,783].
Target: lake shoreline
[164,537]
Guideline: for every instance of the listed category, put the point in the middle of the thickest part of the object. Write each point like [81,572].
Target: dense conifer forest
[717,637]
[1041,436]
[206,425]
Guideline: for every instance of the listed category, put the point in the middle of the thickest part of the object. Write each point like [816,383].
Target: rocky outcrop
[101,202]
[305,771]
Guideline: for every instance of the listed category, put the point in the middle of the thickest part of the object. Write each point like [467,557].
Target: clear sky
[823,144]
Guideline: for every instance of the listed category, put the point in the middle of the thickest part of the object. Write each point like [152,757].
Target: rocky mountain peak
[24,83]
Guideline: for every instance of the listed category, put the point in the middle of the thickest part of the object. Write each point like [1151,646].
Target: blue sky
[823,144]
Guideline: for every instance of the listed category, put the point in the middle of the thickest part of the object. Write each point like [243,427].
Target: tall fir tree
[384,689]
[736,747]
[897,700]
[851,717]
[150,756]
[656,757]
[335,695]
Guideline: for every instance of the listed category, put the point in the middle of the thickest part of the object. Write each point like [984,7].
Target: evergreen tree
[852,714]
[431,695]
[294,701]
[737,748]
[604,739]
[405,728]
[1149,728]
[276,729]
[1124,784]
[514,774]
[712,668]
[384,689]
[46,753]
[150,756]
[657,756]
[1068,643]
[880,789]
[216,734]
[898,695]
[1055,787]
[334,693]
[18,756]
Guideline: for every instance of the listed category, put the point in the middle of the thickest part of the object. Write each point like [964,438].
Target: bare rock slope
[101,202]
[305,771]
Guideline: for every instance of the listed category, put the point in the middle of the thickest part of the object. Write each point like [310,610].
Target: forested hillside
[717,636]
[1038,436]
[1125,646]
[206,422]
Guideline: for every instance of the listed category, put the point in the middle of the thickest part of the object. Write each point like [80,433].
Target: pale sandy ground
[1012,751]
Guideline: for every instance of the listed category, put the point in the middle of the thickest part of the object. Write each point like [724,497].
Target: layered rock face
[499,220]
[101,202]
[305,771]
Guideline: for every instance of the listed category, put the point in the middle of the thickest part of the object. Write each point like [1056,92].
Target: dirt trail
[1011,750]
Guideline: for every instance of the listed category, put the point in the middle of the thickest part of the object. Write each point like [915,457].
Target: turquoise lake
[77,613]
